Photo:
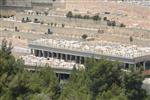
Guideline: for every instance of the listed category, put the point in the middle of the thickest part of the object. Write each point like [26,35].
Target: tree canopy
[100,80]
[19,84]
[104,80]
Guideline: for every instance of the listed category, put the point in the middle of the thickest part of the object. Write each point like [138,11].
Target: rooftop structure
[78,51]
[96,47]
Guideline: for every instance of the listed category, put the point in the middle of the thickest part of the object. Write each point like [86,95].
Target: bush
[5,16]
[55,24]
[113,23]
[86,17]
[78,16]
[52,23]
[37,13]
[131,39]
[36,20]
[108,22]
[46,13]
[63,25]
[42,22]
[105,18]
[16,28]
[96,18]
[107,12]
[69,14]
[122,25]
[84,36]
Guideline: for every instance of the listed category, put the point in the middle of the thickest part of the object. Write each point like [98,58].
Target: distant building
[42,4]
[35,4]
[16,3]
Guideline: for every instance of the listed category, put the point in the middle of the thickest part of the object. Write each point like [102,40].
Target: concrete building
[78,51]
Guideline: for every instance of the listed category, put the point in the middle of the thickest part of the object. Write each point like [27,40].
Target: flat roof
[103,48]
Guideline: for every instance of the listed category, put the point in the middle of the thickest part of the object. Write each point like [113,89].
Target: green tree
[115,93]
[105,18]
[84,36]
[6,47]
[86,17]
[109,23]
[69,14]
[131,39]
[96,18]
[122,25]
[78,16]
[113,23]
[77,87]
[103,74]
[133,85]
[19,84]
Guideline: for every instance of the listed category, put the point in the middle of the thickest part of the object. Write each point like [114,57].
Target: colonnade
[81,59]
[66,57]
[145,65]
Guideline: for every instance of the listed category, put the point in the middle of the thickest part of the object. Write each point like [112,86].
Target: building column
[43,54]
[144,65]
[57,55]
[52,54]
[61,56]
[69,57]
[39,53]
[76,58]
[48,54]
[80,58]
[66,58]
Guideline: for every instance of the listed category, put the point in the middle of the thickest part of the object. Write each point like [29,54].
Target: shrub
[122,25]
[36,20]
[42,22]
[84,36]
[78,16]
[69,14]
[96,18]
[108,22]
[86,17]
[131,39]
[105,18]
[113,23]
[63,25]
